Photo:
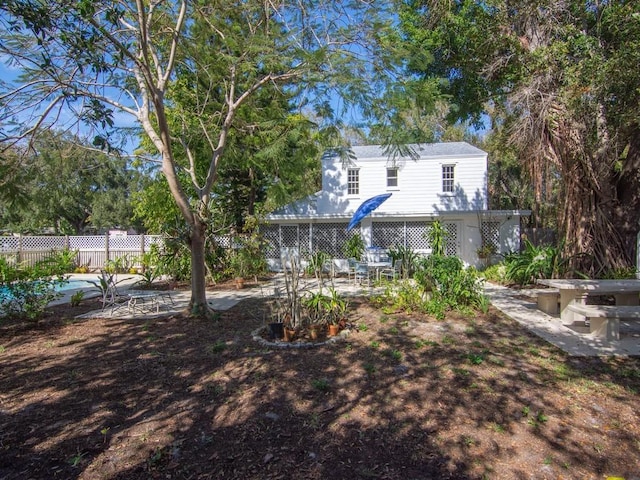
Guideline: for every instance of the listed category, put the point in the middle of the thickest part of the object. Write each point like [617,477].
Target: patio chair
[351,273]
[108,286]
[362,273]
[392,272]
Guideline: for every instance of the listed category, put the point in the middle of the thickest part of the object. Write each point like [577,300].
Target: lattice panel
[271,238]
[388,234]
[417,235]
[43,243]
[451,240]
[125,242]
[303,235]
[9,244]
[288,236]
[93,242]
[329,238]
[490,232]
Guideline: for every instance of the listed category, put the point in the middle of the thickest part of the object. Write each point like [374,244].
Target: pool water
[69,285]
[73,284]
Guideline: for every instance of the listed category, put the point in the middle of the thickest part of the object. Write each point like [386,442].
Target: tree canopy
[561,83]
[203,59]
[69,188]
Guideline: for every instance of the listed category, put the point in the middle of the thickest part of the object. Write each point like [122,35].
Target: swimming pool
[5,294]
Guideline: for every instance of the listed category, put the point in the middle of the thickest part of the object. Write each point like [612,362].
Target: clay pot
[289,334]
[313,332]
[333,330]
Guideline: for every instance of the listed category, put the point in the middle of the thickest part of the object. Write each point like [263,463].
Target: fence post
[19,248]
[142,253]
[106,249]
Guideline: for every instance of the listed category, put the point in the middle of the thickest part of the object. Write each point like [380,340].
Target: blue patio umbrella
[366,208]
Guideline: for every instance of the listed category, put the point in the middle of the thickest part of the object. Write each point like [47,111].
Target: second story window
[353,181]
[392,177]
[448,178]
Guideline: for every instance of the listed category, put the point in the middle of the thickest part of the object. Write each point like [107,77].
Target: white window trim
[355,195]
[397,177]
[453,185]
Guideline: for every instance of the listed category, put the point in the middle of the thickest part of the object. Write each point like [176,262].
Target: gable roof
[423,150]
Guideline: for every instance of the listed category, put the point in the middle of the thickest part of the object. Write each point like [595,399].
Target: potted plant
[337,312]
[239,267]
[316,309]
[486,250]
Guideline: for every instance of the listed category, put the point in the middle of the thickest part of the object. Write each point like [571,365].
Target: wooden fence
[93,251]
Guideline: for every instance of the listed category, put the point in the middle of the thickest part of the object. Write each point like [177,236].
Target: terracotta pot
[333,330]
[239,283]
[313,332]
[289,334]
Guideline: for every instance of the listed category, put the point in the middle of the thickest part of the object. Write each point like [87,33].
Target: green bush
[451,283]
[407,257]
[25,291]
[496,273]
[354,247]
[531,264]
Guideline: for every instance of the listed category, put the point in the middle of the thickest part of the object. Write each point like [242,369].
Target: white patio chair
[351,273]
[392,272]
[362,273]
[111,297]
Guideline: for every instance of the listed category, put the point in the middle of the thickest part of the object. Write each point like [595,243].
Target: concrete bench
[548,301]
[604,320]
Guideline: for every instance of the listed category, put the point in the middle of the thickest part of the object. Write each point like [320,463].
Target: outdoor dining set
[377,265]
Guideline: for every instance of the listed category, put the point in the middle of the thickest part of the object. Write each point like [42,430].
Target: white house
[441,181]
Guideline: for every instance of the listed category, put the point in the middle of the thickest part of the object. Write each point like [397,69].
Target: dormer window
[353,181]
[392,177]
[448,178]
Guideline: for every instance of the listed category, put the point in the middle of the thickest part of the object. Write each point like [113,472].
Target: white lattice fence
[388,234]
[93,250]
[417,236]
[329,238]
[451,239]
[271,238]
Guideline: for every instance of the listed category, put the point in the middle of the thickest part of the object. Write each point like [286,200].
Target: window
[447,178]
[392,177]
[353,181]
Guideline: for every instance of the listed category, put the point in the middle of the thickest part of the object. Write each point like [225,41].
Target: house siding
[419,187]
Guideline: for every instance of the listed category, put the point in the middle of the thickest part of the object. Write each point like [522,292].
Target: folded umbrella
[366,208]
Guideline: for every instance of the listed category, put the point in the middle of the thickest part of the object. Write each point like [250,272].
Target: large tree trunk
[592,219]
[198,304]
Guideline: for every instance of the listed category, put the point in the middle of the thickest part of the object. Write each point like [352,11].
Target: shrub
[407,257]
[26,291]
[531,264]
[450,282]
[495,273]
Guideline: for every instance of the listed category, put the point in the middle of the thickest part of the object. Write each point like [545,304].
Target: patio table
[377,267]
[576,291]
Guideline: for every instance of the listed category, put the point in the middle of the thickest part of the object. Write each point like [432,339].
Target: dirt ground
[401,397]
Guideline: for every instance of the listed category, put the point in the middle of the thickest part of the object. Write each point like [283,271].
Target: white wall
[419,185]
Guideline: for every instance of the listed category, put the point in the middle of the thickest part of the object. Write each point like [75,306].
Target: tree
[204,58]
[559,77]
[69,188]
